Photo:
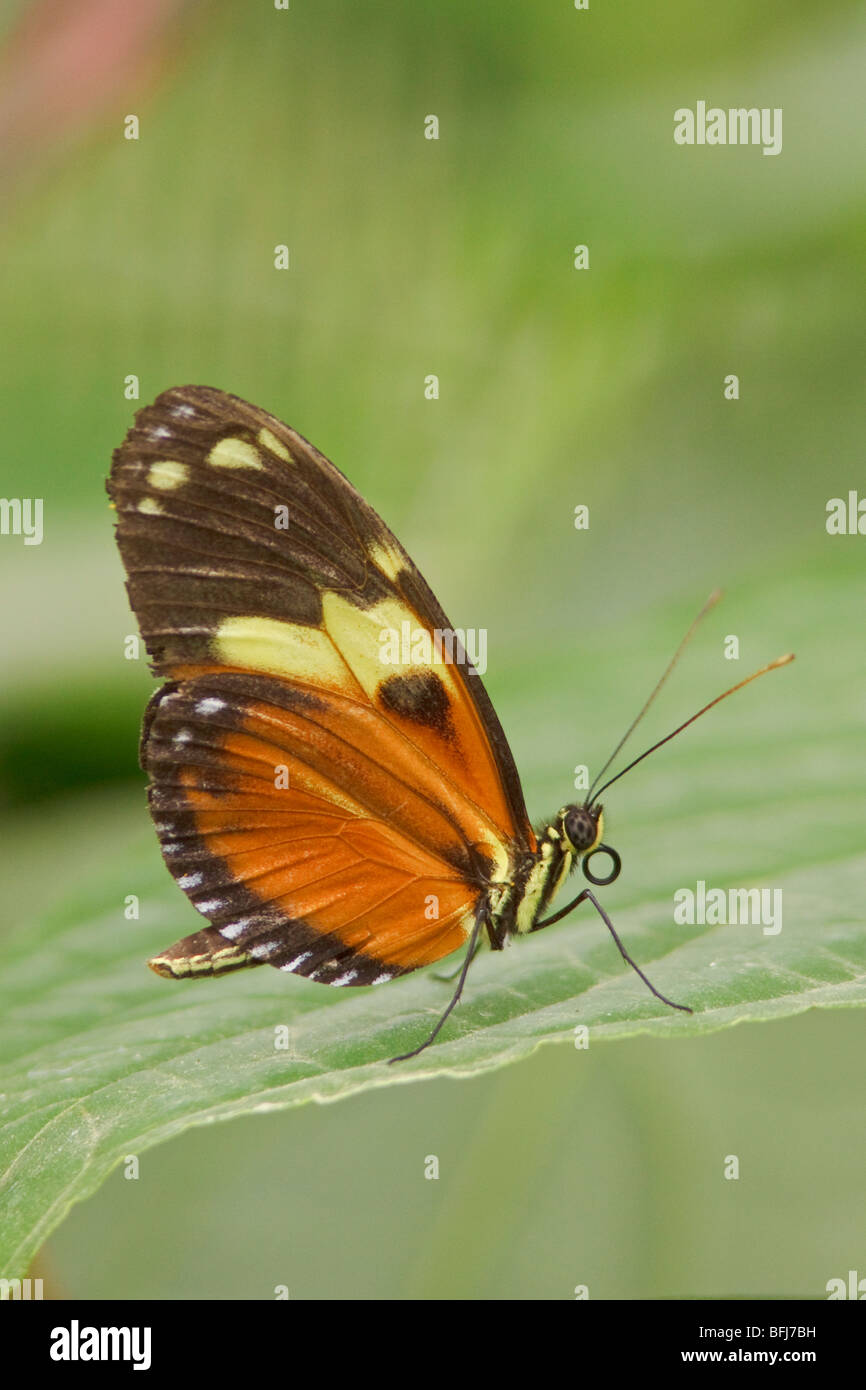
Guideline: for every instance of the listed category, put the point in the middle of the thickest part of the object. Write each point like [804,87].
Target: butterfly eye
[581,828]
[616,865]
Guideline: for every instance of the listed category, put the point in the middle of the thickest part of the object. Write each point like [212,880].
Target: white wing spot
[380,979]
[264,948]
[346,979]
[150,507]
[210,705]
[233,929]
[212,905]
[189,881]
[293,964]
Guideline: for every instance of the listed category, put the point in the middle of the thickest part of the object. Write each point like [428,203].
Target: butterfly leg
[446,979]
[588,895]
[474,942]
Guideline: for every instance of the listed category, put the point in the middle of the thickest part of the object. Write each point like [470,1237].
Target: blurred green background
[557,387]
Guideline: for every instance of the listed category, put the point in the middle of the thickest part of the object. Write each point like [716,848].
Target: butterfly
[335,800]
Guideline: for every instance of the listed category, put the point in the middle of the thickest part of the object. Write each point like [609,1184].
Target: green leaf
[101,1059]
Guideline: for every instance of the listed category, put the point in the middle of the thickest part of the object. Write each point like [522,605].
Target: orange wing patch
[300,843]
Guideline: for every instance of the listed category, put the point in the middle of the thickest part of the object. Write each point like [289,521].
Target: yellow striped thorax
[517,905]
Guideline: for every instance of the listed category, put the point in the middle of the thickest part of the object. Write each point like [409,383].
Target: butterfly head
[583,827]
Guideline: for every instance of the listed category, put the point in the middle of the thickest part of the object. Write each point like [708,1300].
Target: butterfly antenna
[710,603]
[772,666]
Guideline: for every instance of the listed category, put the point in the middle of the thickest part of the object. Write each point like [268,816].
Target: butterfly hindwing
[276,817]
[263,584]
